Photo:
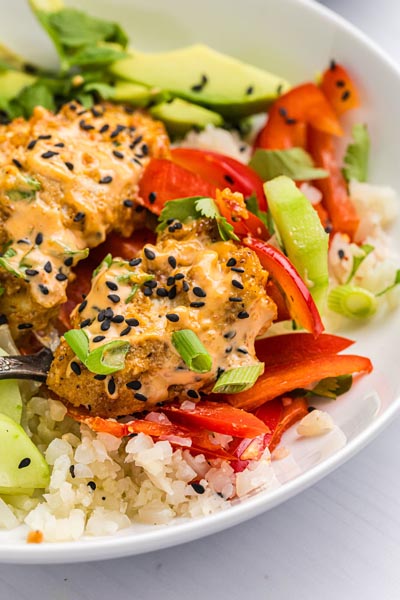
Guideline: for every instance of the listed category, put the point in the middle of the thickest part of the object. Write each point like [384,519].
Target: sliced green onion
[391,286]
[357,260]
[78,341]
[238,380]
[352,302]
[192,351]
[106,262]
[133,291]
[108,358]
[4,262]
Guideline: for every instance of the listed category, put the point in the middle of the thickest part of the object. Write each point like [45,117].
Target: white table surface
[339,540]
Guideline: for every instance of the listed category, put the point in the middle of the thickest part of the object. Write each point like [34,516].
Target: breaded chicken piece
[66,181]
[188,280]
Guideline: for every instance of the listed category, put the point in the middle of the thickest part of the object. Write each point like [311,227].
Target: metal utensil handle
[32,366]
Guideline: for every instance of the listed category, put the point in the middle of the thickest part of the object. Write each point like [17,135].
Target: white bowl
[296,39]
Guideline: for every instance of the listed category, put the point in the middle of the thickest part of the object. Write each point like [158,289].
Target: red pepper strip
[218,417]
[294,347]
[290,414]
[121,247]
[287,120]
[279,299]
[222,171]
[300,303]
[280,379]
[231,205]
[339,89]
[201,442]
[336,200]
[163,180]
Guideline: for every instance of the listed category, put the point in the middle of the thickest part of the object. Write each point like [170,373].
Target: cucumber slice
[10,397]
[22,466]
[304,239]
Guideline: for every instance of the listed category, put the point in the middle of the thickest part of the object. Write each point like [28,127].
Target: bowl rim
[102,548]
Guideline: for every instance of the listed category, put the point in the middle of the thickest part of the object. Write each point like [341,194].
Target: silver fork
[31,366]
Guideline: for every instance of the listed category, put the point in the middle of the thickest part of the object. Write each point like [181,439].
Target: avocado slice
[206,77]
[179,116]
[22,466]
[12,83]
[304,239]
[10,397]
[136,93]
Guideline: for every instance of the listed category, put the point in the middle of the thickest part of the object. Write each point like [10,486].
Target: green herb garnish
[295,163]
[192,351]
[357,155]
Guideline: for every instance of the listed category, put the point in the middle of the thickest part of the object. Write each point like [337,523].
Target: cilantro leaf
[393,285]
[252,206]
[295,163]
[96,55]
[357,154]
[196,207]
[331,387]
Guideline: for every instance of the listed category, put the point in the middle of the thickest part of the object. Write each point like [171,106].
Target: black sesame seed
[172,317]
[197,304]
[185,286]
[332,65]
[132,322]
[111,386]
[118,154]
[145,149]
[99,338]
[135,262]
[105,326]
[31,144]
[140,397]
[31,272]
[118,319]
[172,261]
[59,145]
[178,226]
[229,335]
[198,488]
[128,203]
[151,284]
[117,131]
[282,111]
[111,286]
[170,280]
[101,316]
[17,163]
[134,385]
[44,137]
[192,394]
[85,323]
[109,313]
[49,154]
[235,299]
[95,112]
[229,179]
[340,83]
[125,331]
[237,269]
[25,462]
[328,229]
[23,241]
[169,221]
[346,95]
[237,284]
[152,197]
[231,262]
[68,261]
[162,292]
[85,126]
[104,128]
[242,350]
[114,298]
[172,293]
[149,254]
[82,306]
[61,277]
[341,254]
[39,239]
[199,292]
[136,141]
[25,326]
[243,315]
[179,276]
[249,90]
[92,485]
[290,121]
[69,165]
[100,377]
[106,179]
[76,368]
[44,289]
[79,217]
[72,471]
[48,267]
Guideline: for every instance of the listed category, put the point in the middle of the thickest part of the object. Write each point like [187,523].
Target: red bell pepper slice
[336,200]
[339,89]
[218,417]
[120,247]
[294,347]
[231,205]
[300,303]
[222,171]
[164,180]
[280,379]
[291,113]
[279,419]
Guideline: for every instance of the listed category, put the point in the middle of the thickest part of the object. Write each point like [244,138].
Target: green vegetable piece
[37,94]
[352,302]
[12,83]
[105,263]
[196,207]
[304,239]
[5,263]
[78,341]
[331,387]
[10,397]
[252,206]
[22,466]
[358,260]
[390,287]
[357,155]
[136,93]
[295,163]
[238,380]
[203,76]
[26,190]
[192,351]
[180,116]
[108,358]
